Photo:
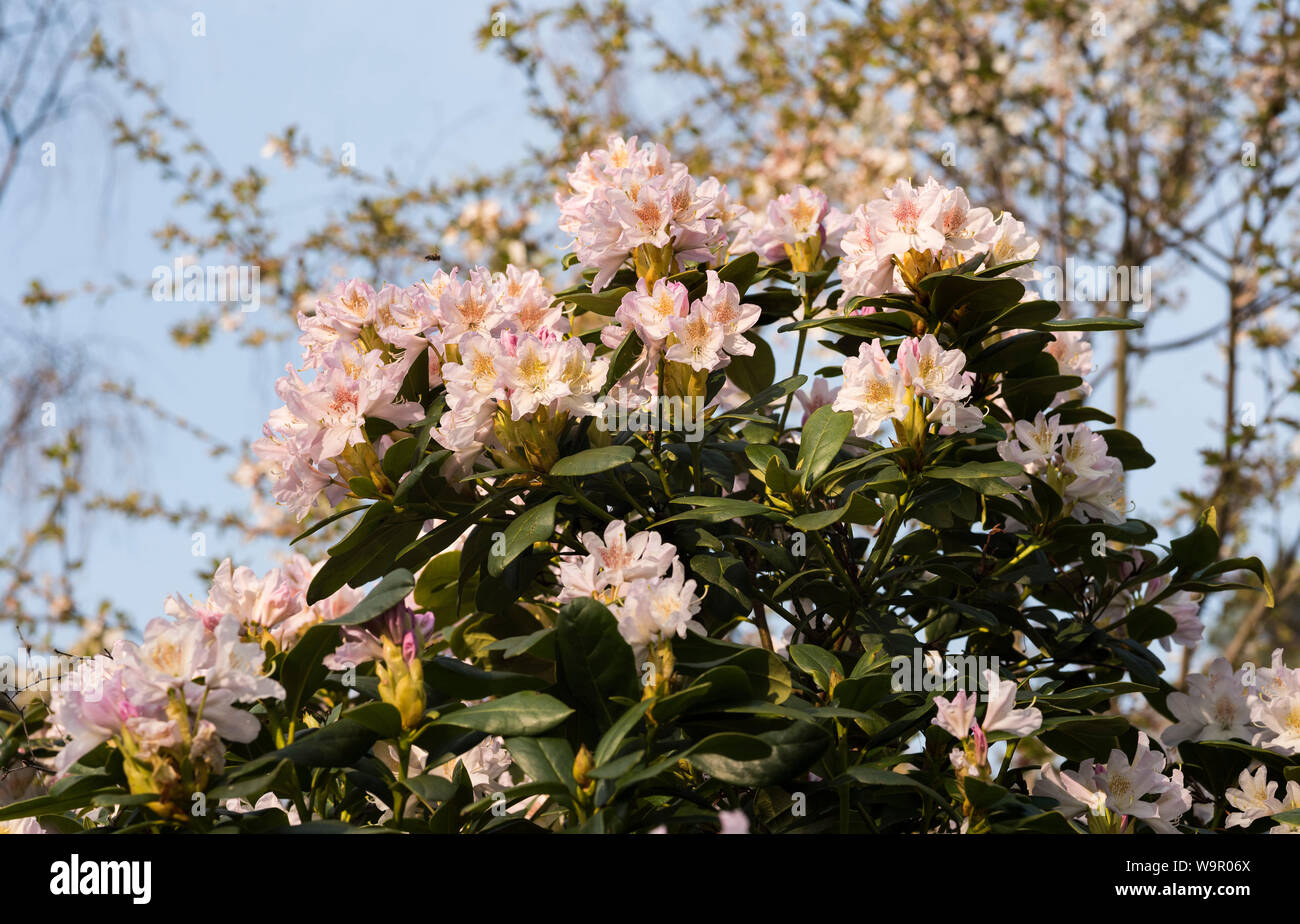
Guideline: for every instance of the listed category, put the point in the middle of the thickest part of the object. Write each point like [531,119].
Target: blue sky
[406,83]
[408,87]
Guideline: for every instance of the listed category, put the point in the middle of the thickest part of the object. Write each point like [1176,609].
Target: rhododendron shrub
[598,569]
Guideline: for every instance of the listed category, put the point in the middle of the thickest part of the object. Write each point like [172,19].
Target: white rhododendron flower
[640,579]
[195,661]
[1279,717]
[876,390]
[1253,799]
[273,606]
[1215,707]
[1078,466]
[1002,715]
[873,390]
[1120,787]
[702,334]
[624,197]
[820,395]
[956,716]
[907,219]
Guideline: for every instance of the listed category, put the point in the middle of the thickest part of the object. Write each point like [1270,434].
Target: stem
[697,450]
[808,314]
[399,791]
[885,539]
[659,391]
[627,496]
[764,633]
[798,360]
[582,500]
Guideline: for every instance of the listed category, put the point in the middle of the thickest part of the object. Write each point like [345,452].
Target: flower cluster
[1254,798]
[316,441]
[169,704]
[272,607]
[1119,790]
[957,717]
[513,376]
[497,341]
[1224,704]
[636,202]
[1072,460]
[800,225]
[489,372]
[703,334]
[896,240]
[640,579]
[925,384]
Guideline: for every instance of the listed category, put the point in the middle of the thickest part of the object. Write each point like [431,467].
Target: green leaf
[436,587]
[1198,548]
[819,663]
[459,680]
[79,793]
[591,461]
[975,471]
[767,396]
[1127,448]
[1024,316]
[367,552]
[1009,352]
[818,519]
[724,572]
[303,670]
[535,524]
[279,779]
[381,718]
[720,509]
[879,776]
[625,356]
[740,759]
[339,744]
[593,662]
[984,795]
[544,760]
[976,294]
[769,677]
[1081,737]
[740,271]
[398,459]
[1147,622]
[431,789]
[823,435]
[1252,564]
[1094,324]
[525,713]
[416,475]
[321,524]
[752,374]
[388,593]
[605,302]
[610,741]
[880,324]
